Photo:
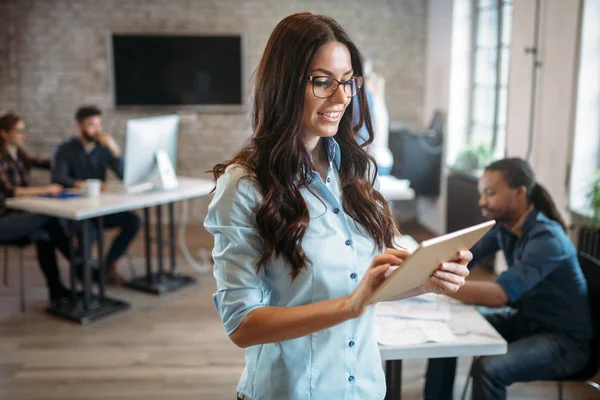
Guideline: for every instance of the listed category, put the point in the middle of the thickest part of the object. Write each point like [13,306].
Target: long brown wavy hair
[8,120]
[276,158]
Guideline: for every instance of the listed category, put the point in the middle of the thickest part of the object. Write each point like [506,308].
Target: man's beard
[88,138]
[499,216]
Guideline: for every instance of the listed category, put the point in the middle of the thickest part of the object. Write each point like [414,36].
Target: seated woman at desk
[18,227]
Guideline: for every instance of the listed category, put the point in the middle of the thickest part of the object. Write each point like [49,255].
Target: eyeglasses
[324,86]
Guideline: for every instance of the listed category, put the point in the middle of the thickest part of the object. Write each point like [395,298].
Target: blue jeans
[531,356]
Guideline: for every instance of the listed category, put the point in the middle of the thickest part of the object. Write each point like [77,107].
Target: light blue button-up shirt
[341,362]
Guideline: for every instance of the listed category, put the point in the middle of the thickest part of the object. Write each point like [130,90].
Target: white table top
[393,188]
[110,203]
[79,208]
[475,337]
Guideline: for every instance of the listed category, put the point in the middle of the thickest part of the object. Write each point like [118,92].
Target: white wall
[432,211]
[559,37]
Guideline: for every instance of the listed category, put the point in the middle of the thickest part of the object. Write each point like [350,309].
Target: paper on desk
[393,331]
[415,308]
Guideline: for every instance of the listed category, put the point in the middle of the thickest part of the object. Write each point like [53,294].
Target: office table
[474,337]
[84,211]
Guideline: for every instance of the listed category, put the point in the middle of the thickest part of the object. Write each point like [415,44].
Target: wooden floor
[167,348]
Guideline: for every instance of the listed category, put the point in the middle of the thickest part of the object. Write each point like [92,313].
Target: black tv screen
[177,70]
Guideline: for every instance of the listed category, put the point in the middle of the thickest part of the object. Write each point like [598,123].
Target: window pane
[483,106]
[504,63]
[485,67]
[500,144]
[502,104]
[487,4]
[481,135]
[487,28]
[507,16]
[586,148]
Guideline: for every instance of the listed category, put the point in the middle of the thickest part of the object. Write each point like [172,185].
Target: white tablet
[418,267]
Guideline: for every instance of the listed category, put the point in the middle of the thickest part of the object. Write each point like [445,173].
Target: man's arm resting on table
[489,294]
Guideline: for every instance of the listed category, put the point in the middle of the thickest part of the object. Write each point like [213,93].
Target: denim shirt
[544,281]
[341,362]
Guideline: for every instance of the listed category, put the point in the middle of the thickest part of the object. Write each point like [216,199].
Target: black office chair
[591,270]
[20,245]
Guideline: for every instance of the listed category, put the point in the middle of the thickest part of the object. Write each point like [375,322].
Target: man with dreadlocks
[539,305]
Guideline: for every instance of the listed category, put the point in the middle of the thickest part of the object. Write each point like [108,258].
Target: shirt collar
[86,148]
[524,223]
[14,154]
[6,154]
[333,150]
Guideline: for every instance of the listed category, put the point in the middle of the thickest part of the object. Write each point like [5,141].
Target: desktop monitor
[144,138]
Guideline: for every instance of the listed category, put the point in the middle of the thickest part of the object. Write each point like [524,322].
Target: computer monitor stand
[165,178]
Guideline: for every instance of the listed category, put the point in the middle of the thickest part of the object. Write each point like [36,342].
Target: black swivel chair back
[418,156]
[591,270]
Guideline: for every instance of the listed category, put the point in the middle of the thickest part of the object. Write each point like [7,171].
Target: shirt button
[348,242]
[353,275]
[336,210]
[351,379]
[328,180]
[351,344]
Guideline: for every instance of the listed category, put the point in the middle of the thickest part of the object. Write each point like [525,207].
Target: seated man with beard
[540,303]
[87,156]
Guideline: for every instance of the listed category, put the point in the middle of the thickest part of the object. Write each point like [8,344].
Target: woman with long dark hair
[300,230]
[18,227]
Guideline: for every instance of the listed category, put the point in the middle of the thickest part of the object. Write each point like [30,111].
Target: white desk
[394,189]
[475,337]
[82,210]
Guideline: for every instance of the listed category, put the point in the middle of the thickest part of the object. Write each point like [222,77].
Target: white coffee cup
[92,188]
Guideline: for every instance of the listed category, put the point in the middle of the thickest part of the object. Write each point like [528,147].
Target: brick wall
[54,57]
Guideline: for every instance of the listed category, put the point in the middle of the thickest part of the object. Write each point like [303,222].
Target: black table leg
[159,241]
[72,260]
[393,379]
[101,262]
[87,307]
[84,244]
[160,282]
[147,240]
[172,236]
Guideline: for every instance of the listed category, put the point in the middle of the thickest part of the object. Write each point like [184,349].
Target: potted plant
[589,233]
[473,159]
[593,198]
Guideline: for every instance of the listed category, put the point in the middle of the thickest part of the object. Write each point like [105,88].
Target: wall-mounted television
[203,71]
